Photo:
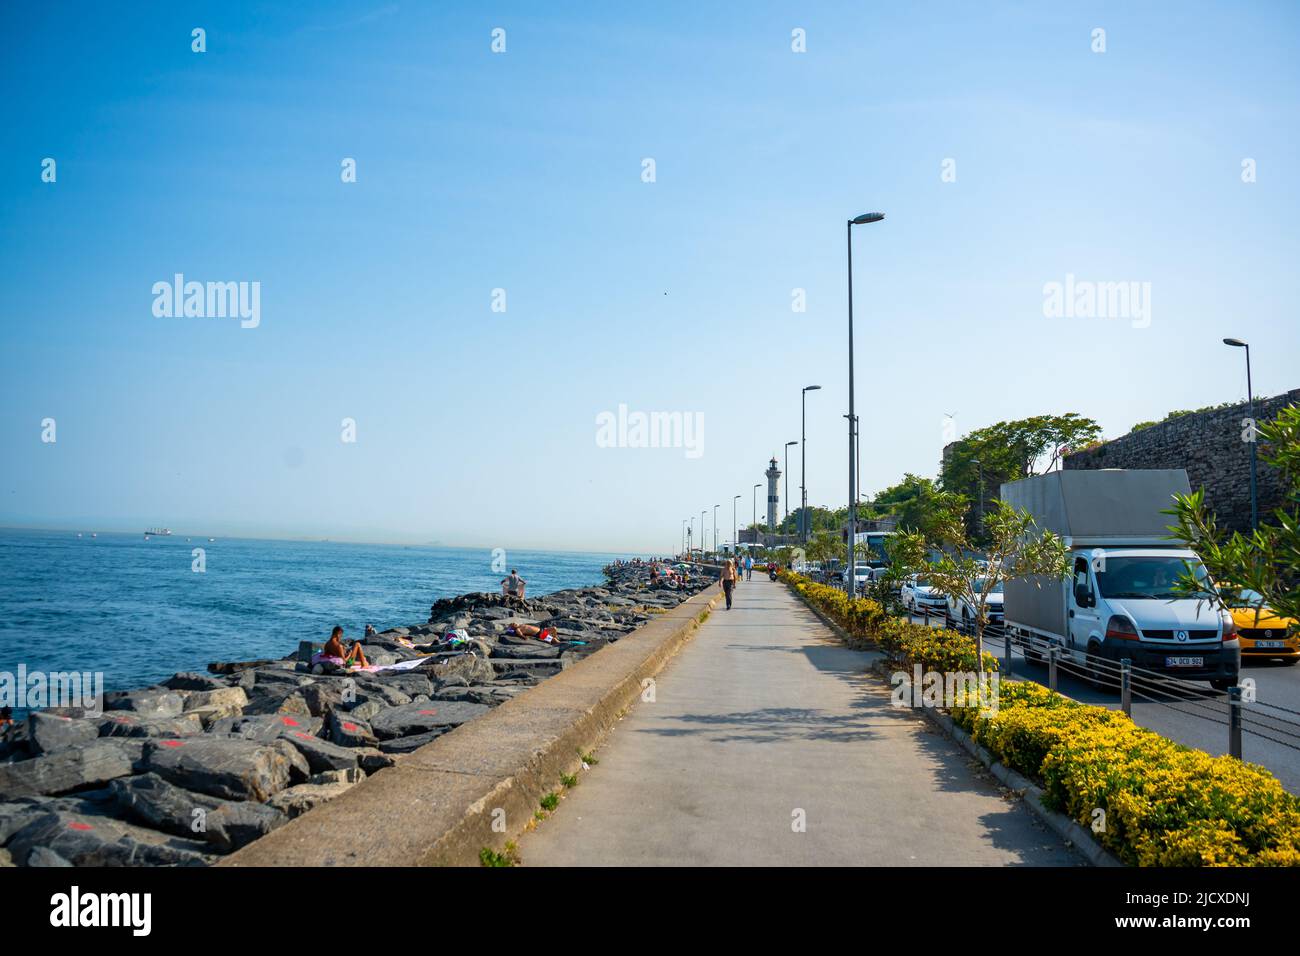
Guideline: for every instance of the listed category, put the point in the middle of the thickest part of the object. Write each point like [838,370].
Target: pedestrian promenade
[768,744]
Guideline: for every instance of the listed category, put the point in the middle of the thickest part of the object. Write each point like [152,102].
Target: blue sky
[523,171]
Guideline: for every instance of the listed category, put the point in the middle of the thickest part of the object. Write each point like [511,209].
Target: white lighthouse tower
[773,493]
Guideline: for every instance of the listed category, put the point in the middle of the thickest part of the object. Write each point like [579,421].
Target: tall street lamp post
[715,528]
[803,463]
[865,218]
[787,476]
[1250,405]
[703,534]
[735,541]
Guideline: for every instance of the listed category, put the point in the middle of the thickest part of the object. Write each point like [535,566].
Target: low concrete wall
[437,806]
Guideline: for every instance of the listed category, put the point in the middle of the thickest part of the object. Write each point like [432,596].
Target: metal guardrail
[1228,708]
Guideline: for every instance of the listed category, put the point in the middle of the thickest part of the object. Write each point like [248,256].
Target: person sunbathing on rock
[334,648]
[532,630]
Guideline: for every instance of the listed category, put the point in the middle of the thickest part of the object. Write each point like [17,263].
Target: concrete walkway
[765,719]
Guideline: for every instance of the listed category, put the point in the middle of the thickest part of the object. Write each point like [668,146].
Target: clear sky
[523,171]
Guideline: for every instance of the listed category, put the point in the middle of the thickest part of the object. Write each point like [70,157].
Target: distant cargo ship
[157,532]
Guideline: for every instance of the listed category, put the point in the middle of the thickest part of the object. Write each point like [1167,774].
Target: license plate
[1270,644]
[1184,662]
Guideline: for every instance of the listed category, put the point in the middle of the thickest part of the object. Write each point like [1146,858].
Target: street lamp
[803,463]
[683,537]
[690,534]
[735,540]
[787,476]
[703,535]
[864,219]
[981,492]
[755,496]
[715,528]
[1250,405]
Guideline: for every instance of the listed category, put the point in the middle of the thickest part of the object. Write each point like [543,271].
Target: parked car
[1263,633]
[861,575]
[961,612]
[918,595]
[1122,601]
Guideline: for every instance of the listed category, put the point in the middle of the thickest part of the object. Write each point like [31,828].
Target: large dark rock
[471,667]
[537,650]
[121,723]
[218,703]
[225,824]
[225,767]
[322,755]
[405,745]
[293,704]
[149,702]
[47,733]
[190,680]
[348,731]
[296,801]
[103,841]
[63,771]
[418,718]
[266,728]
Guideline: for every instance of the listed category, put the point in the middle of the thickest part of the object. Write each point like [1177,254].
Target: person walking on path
[728,580]
[749,567]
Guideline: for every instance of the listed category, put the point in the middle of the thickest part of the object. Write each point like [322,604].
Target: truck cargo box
[1105,508]
[1110,507]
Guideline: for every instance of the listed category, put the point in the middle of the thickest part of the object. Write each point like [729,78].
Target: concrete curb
[478,786]
[1032,794]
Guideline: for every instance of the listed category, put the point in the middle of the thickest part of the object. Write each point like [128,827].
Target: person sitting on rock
[370,630]
[514,585]
[334,648]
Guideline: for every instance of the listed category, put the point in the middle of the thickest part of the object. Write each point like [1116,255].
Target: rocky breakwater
[204,763]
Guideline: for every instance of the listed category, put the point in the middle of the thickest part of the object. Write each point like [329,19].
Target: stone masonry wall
[1209,445]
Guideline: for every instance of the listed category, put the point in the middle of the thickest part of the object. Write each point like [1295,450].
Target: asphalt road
[768,744]
[1199,722]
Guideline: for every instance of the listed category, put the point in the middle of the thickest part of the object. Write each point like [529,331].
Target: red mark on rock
[75,825]
[171,743]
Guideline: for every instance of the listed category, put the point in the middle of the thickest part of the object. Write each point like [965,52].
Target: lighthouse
[773,492]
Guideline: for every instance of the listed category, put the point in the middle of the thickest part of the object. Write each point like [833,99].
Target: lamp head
[1235,343]
[867,217]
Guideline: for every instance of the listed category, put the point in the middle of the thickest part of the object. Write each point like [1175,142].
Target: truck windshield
[1152,577]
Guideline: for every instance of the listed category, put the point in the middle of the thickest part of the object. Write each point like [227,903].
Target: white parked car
[917,595]
[962,613]
[862,573]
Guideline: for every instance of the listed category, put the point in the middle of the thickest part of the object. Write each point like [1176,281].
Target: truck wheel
[1097,675]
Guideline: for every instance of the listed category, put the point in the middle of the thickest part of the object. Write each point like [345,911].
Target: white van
[1120,602]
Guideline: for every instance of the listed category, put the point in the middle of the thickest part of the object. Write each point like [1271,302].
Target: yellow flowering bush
[1147,799]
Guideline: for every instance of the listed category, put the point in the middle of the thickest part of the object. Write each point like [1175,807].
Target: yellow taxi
[1263,633]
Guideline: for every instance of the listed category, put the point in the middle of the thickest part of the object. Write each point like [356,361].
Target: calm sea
[135,610]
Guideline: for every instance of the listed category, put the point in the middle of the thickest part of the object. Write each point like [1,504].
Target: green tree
[1268,559]
[945,554]
[1009,451]
[913,501]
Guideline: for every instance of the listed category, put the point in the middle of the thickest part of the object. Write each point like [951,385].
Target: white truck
[1120,602]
